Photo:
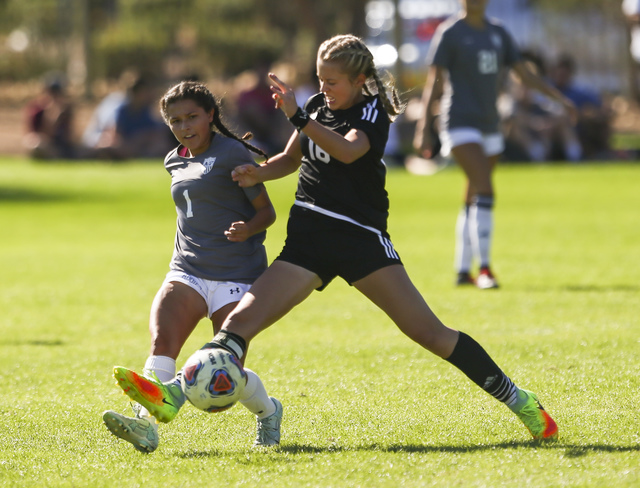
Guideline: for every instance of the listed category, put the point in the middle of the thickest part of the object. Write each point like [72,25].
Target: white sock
[255,396]
[481,227]
[165,369]
[464,254]
[163,366]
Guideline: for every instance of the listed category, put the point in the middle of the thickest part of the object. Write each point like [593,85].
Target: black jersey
[353,192]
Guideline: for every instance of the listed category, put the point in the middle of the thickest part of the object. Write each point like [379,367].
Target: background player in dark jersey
[467,57]
[218,253]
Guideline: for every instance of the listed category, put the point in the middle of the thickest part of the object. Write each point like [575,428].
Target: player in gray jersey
[468,58]
[207,201]
[218,253]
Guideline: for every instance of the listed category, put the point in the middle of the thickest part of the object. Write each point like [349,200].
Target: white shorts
[216,294]
[493,144]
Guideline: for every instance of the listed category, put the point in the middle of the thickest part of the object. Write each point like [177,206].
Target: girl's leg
[175,312]
[391,289]
[254,396]
[477,167]
[463,251]
[278,290]
[480,196]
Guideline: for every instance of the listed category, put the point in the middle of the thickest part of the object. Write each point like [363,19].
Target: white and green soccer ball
[213,379]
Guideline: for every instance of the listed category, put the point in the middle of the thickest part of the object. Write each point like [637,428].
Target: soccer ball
[213,379]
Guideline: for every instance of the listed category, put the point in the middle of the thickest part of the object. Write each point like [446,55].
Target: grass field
[85,247]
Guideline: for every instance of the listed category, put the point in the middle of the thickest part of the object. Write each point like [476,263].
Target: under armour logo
[236,290]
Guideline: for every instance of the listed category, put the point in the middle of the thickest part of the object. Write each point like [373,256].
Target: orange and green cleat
[163,401]
[536,419]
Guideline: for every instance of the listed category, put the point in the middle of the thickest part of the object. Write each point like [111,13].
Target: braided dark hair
[200,94]
[356,58]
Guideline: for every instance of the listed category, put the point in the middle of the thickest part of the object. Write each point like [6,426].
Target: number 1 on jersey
[189,207]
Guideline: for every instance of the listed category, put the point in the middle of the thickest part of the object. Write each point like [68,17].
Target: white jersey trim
[388,248]
[386,243]
[338,216]
[370,112]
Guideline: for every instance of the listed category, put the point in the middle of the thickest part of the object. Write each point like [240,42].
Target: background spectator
[536,129]
[49,120]
[100,131]
[257,114]
[138,131]
[594,118]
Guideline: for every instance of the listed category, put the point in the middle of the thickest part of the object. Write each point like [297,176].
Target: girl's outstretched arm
[279,166]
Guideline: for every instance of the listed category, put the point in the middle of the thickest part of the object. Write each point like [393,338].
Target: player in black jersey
[338,224]
[218,253]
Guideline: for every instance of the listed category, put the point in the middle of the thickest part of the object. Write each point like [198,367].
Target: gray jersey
[475,60]
[207,202]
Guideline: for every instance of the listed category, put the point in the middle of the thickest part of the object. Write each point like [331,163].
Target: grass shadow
[571,450]
[35,342]
[201,454]
[601,288]
[26,195]
[607,288]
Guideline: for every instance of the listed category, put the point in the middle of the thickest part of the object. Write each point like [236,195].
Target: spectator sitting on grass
[594,118]
[49,120]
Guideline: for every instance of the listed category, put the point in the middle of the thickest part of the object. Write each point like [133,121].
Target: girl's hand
[283,95]
[422,144]
[238,232]
[245,175]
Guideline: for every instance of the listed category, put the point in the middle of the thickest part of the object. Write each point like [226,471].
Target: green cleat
[269,428]
[162,400]
[536,419]
[141,433]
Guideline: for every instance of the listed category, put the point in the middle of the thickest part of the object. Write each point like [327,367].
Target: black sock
[233,343]
[470,358]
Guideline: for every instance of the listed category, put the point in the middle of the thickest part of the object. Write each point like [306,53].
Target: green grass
[85,247]
[625,140]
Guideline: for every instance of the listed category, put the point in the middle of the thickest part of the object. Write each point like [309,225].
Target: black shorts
[331,247]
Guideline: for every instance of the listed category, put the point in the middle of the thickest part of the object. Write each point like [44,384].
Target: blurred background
[67,65]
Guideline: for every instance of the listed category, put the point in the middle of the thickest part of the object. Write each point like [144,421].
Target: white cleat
[139,432]
[486,280]
[269,428]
